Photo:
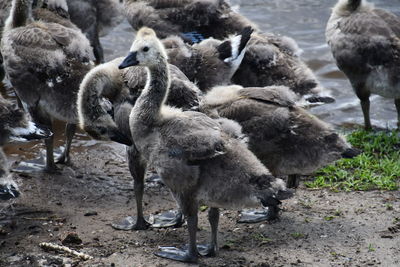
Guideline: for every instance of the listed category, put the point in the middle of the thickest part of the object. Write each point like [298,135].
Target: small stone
[71,238]
[91,213]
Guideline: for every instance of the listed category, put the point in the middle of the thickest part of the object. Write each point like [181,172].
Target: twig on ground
[55,247]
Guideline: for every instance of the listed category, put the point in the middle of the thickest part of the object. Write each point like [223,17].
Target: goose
[95,18]
[211,62]
[45,62]
[106,97]
[193,20]
[195,158]
[365,44]
[285,137]
[273,60]
[16,126]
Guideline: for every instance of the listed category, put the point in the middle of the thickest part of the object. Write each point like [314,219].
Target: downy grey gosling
[105,99]
[365,44]
[195,158]
[285,137]
[45,62]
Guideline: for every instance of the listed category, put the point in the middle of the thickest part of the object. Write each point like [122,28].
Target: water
[303,20]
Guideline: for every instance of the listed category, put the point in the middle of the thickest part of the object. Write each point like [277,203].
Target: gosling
[196,159]
[365,44]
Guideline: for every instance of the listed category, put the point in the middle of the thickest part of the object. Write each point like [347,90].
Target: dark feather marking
[225,50]
[246,34]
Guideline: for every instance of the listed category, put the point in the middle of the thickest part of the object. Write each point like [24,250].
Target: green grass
[378,167]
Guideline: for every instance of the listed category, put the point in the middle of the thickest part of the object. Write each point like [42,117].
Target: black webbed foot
[270,213]
[177,254]
[167,219]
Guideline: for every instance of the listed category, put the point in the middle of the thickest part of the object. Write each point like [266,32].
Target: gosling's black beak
[8,192]
[119,137]
[130,60]
[31,132]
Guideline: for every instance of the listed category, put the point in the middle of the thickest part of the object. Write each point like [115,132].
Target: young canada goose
[274,60]
[46,10]
[95,18]
[211,62]
[45,62]
[195,158]
[286,138]
[193,20]
[121,88]
[15,125]
[365,43]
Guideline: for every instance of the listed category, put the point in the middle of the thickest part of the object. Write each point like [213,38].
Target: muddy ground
[317,227]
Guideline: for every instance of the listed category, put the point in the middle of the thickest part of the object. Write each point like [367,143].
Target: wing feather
[193,136]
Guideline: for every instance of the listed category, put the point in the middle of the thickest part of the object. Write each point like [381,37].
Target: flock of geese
[204,97]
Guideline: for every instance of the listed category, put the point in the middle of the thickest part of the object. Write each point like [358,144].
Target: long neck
[3,164]
[20,14]
[153,96]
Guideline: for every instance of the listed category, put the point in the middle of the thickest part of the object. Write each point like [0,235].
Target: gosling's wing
[44,48]
[142,13]
[183,93]
[391,20]
[192,136]
[274,95]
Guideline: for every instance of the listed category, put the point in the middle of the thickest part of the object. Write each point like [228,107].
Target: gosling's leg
[97,49]
[293,181]
[50,165]
[191,255]
[70,129]
[397,103]
[137,170]
[44,119]
[364,95]
[213,218]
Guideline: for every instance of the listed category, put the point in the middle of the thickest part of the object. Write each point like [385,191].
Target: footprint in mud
[395,229]
[391,231]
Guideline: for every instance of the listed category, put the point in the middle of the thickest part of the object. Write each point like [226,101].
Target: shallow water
[303,20]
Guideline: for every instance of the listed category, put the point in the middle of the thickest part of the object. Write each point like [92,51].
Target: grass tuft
[378,167]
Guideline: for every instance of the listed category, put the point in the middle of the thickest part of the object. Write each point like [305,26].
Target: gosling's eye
[145,49]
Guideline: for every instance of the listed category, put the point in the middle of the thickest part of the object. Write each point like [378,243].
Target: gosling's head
[104,128]
[146,50]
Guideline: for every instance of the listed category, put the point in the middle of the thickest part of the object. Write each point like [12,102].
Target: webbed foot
[131,223]
[204,250]
[177,254]
[269,213]
[167,219]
